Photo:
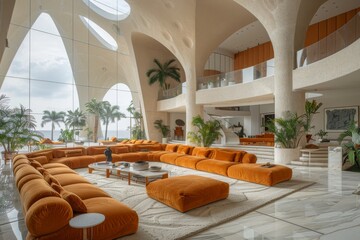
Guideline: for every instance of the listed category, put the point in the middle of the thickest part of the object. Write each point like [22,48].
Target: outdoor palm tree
[97,109]
[111,113]
[76,120]
[163,71]
[53,117]
[135,131]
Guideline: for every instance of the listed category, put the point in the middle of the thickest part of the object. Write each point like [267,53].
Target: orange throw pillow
[224,156]
[40,159]
[202,153]
[73,153]
[50,178]
[35,164]
[183,149]
[171,147]
[74,200]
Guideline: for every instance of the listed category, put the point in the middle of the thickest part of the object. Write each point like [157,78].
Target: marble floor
[325,210]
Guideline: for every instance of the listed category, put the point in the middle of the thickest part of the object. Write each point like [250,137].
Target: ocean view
[111,133]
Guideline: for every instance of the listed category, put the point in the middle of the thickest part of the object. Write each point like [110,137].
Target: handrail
[263,69]
[172,92]
[331,44]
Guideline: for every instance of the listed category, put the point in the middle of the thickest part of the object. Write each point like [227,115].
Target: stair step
[315,164]
[314,159]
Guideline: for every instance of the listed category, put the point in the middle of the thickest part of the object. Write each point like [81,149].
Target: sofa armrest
[48,215]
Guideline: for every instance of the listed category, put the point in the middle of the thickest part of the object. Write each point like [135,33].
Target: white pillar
[191,108]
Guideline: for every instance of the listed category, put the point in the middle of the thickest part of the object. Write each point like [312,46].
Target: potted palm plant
[164,129]
[351,148]
[162,72]
[208,132]
[17,128]
[289,131]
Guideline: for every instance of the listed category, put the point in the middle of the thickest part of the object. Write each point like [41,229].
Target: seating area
[52,194]
[51,191]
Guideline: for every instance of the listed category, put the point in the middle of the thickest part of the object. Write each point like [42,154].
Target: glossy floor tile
[326,210]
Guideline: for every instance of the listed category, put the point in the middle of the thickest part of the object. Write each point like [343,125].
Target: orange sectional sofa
[227,162]
[52,194]
[266,139]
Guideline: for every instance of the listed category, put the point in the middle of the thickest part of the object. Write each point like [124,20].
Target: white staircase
[317,158]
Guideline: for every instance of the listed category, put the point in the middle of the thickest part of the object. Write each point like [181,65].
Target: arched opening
[119,95]
[40,76]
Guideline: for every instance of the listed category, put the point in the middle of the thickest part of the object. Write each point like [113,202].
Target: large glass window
[56,62]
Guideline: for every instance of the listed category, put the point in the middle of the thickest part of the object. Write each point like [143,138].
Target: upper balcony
[318,65]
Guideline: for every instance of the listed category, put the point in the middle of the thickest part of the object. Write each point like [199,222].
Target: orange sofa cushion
[85,191]
[182,149]
[249,158]
[53,165]
[24,171]
[170,158]
[95,150]
[40,159]
[53,211]
[46,153]
[214,166]
[184,193]
[34,190]
[73,153]
[74,200]
[60,170]
[120,220]
[171,147]
[188,161]
[119,149]
[224,156]
[70,178]
[35,164]
[257,174]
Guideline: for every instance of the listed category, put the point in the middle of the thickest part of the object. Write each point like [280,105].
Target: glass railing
[331,44]
[172,92]
[246,75]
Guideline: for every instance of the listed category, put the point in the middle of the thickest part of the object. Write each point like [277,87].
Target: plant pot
[164,140]
[8,156]
[286,155]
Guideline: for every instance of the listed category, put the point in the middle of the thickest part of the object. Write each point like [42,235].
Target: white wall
[334,98]
[172,119]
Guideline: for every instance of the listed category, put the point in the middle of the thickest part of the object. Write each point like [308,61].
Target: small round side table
[85,221]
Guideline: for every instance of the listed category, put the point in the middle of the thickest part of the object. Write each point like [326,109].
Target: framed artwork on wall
[338,119]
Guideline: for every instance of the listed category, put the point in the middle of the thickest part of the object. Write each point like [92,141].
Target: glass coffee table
[108,167]
[129,172]
[146,174]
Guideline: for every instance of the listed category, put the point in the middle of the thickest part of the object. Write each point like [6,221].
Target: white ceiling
[254,33]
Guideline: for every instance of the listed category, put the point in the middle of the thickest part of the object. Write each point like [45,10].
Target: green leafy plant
[110,114]
[136,131]
[66,135]
[311,108]
[75,120]
[163,71]
[288,131]
[321,133]
[96,108]
[17,128]
[207,132]
[164,129]
[351,148]
[53,117]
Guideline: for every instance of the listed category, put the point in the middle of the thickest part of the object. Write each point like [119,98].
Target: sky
[42,56]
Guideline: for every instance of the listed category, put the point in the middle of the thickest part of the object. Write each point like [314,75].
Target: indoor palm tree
[97,109]
[351,148]
[75,120]
[53,117]
[163,71]
[208,132]
[17,128]
[110,114]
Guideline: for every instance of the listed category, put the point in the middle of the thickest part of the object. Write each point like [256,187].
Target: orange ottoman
[257,174]
[187,192]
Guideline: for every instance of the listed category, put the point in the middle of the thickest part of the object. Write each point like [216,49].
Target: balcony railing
[331,44]
[172,92]
[246,75]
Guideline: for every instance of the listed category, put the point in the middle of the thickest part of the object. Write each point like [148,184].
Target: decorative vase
[286,155]
[164,140]
[140,165]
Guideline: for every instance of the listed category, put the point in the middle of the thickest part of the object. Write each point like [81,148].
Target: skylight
[103,36]
[115,10]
